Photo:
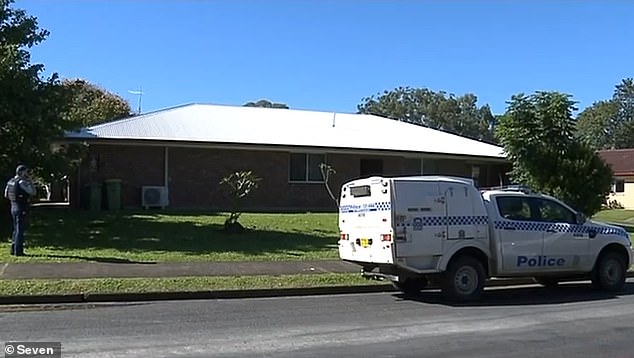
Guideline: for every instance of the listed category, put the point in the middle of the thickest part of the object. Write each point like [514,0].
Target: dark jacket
[15,192]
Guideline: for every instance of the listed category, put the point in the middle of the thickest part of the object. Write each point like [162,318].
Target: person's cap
[21,168]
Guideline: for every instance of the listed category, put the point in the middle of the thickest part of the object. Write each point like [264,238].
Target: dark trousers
[19,226]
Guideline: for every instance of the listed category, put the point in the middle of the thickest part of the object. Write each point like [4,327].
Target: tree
[81,104]
[20,84]
[266,104]
[30,106]
[624,98]
[610,124]
[595,125]
[437,110]
[240,183]
[326,171]
[538,136]
[90,105]
[36,111]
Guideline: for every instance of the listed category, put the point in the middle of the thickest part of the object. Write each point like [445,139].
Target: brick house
[622,163]
[185,151]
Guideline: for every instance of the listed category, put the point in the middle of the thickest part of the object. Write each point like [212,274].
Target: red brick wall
[195,175]
[134,166]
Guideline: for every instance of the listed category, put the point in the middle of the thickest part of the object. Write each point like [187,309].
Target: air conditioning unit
[153,196]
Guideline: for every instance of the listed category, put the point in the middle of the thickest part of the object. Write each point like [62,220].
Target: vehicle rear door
[419,218]
[365,221]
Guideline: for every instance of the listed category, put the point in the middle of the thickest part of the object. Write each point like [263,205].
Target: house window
[304,167]
[369,167]
[618,186]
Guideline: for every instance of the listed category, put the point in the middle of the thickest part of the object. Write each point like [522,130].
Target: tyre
[547,281]
[464,279]
[411,286]
[609,272]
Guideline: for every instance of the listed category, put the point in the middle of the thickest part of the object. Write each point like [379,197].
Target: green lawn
[617,216]
[161,236]
[180,284]
[164,236]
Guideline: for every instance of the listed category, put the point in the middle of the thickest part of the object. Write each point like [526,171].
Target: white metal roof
[203,123]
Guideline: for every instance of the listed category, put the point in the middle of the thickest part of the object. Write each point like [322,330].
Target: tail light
[386,237]
[344,237]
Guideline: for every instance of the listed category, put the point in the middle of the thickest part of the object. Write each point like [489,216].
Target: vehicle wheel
[547,281]
[609,272]
[411,286]
[464,280]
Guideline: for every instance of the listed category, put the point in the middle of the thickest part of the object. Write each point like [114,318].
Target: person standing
[19,189]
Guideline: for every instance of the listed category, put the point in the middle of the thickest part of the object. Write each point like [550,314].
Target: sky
[328,55]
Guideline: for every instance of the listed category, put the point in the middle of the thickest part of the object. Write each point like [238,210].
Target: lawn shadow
[113,260]
[189,233]
[521,296]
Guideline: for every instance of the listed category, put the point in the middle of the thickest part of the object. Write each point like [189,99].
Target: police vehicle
[417,231]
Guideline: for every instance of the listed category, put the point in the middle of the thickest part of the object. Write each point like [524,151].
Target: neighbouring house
[622,163]
[176,157]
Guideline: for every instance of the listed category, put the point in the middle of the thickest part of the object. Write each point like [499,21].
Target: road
[529,321]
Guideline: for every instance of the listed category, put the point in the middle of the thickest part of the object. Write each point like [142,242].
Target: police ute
[443,231]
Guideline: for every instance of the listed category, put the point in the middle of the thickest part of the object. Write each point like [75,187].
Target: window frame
[616,182]
[516,197]
[538,201]
[534,205]
[307,156]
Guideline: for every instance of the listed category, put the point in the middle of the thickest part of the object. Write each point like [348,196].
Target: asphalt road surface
[529,321]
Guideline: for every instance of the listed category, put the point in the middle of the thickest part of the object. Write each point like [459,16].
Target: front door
[565,247]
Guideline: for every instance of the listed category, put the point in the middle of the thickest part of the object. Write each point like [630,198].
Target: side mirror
[581,218]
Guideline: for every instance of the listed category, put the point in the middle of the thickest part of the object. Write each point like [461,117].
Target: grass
[621,216]
[66,235]
[180,284]
[162,236]
[63,235]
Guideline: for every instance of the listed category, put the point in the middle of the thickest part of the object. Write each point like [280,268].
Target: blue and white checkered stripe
[452,220]
[612,231]
[363,208]
[543,226]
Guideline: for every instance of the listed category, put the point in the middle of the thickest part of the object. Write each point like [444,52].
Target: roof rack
[513,187]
